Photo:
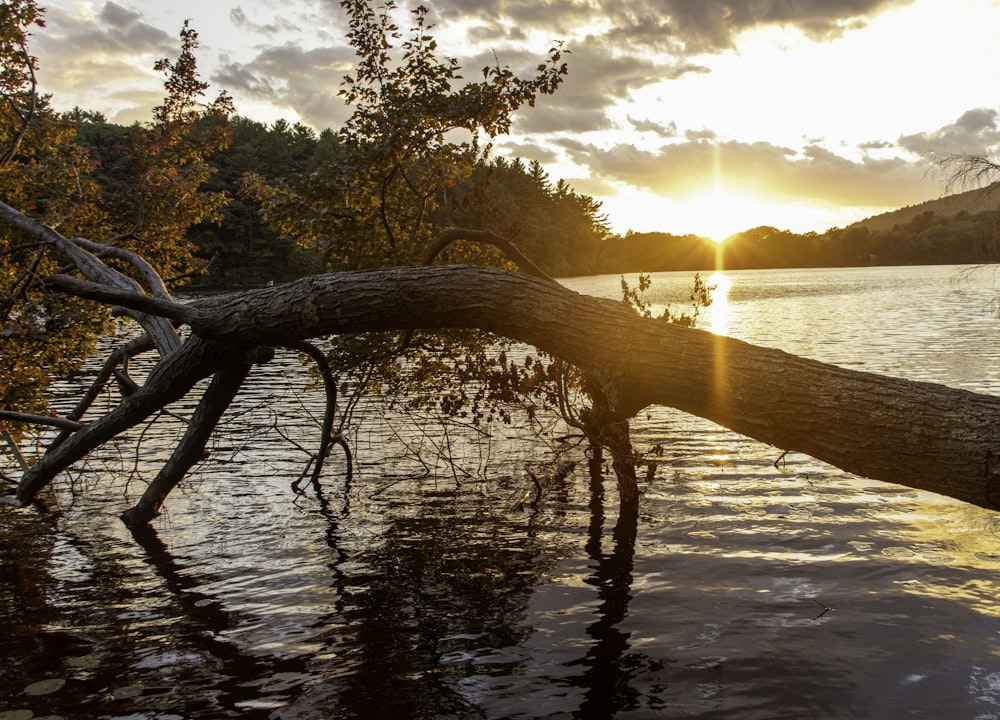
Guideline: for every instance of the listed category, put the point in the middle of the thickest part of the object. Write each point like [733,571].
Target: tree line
[561,230]
[927,239]
[257,221]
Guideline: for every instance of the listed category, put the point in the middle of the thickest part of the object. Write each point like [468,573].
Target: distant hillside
[972,202]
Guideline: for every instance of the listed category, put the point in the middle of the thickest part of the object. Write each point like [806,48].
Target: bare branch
[135,301]
[191,448]
[159,328]
[153,279]
[116,358]
[490,238]
[968,172]
[171,379]
[32,419]
[14,449]
[329,414]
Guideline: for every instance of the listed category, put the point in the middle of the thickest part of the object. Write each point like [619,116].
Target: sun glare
[720,213]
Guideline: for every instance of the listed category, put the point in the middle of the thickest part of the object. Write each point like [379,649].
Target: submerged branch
[329,414]
[169,381]
[191,448]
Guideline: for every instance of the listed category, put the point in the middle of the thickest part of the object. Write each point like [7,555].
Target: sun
[718,213]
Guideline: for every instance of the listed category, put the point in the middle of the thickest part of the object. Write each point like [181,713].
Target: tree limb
[152,278]
[191,448]
[116,358]
[445,238]
[32,419]
[152,306]
[329,413]
[160,329]
[170,380]
[918,434]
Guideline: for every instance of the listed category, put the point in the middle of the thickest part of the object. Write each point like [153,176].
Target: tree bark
[191,448]
[918,434]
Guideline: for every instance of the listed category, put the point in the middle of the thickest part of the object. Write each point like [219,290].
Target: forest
[927,239]
[251,237]
[563,231]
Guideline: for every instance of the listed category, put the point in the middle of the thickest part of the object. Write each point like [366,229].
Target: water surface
[748,588]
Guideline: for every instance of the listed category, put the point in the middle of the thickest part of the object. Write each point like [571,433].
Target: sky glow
[683,116]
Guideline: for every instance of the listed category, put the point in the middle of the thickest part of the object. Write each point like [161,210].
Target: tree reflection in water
[440,593]
[606,679]
[442,596]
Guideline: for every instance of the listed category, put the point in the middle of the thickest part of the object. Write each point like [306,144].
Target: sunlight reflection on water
[718,312]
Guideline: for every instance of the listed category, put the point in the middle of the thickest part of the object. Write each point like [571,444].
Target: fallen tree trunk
[918,434]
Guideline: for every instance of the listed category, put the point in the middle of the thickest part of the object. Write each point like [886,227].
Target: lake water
[419,589]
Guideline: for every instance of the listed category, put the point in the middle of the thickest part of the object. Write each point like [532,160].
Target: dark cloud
[105,65]
[120,32]
[699,134]
[289,76]
[974,133]
[678,26]
[665,131]
[708,25]
[533,151]
[286,18]
[279,24]
[598,80]
[558,17]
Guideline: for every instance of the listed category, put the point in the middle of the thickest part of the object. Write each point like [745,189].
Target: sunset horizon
[699,119]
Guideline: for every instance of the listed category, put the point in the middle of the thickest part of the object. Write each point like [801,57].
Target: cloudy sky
[704,116]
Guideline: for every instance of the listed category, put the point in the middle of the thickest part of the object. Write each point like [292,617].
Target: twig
[14,449]
[826,609]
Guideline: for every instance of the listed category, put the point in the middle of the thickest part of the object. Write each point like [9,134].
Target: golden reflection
[719,285]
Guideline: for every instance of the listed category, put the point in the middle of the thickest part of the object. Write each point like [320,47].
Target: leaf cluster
[136,188]
[635,298]
[417,130]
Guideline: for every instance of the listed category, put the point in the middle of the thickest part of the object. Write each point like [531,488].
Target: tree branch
[217,398]
[490,238]
[918,434]
[153,279]
[33,419]
[171,379]
[152,306]
[330,412]
[160,329]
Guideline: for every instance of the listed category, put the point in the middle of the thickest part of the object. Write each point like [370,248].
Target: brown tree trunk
[918,434]
[191,448]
